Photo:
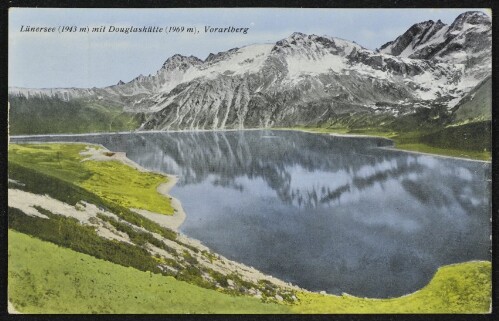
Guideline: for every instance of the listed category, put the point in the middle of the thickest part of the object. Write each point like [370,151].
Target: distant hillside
[477,105]
[52,115]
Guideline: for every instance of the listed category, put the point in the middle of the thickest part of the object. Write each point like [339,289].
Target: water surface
[326,213]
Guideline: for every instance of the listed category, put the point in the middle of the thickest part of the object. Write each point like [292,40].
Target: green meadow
[112,180]
[46,278]
[459,288]
[65,281]
[472,140]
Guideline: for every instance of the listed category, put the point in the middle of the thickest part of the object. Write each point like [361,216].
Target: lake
[337,214]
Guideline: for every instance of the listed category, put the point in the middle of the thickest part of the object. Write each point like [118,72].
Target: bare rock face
[414,38]
[466,41]
[306,79]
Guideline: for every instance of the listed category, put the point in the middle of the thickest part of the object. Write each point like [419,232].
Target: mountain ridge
[305,79]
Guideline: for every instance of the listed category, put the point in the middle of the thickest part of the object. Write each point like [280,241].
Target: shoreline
[174,221]
[169,221]
[394,148]
[140,132]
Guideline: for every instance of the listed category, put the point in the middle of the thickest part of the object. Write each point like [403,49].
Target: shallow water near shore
[326,213]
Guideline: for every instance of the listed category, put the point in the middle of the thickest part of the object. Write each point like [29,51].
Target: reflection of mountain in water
[231,154]
[223,157]
[327,213]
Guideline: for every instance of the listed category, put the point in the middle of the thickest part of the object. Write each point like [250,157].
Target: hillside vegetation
[64,281]
[476,105]
[427,131]
[113,181]
[50,115]
[46,278]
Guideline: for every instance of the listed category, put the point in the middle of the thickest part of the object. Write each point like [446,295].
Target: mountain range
[300,80]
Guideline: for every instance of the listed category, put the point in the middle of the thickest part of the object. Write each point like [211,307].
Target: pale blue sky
[96,60]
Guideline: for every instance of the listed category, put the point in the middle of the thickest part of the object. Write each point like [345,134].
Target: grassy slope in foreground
[46,278]
[64,281]
[111,180]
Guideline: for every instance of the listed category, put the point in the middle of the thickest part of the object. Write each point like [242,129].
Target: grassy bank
[46,278]
[459,288]
[64,281]
[113,181]
[472,141]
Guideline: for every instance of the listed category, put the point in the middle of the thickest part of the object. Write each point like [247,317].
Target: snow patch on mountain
[298,65]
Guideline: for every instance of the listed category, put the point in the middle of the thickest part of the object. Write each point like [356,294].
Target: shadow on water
[326,213]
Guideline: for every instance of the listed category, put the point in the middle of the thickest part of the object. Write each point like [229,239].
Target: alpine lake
[326,213]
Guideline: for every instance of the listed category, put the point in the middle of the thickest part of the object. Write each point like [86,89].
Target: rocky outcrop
[466,41]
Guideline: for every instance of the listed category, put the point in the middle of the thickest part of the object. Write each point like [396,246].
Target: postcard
[249,161]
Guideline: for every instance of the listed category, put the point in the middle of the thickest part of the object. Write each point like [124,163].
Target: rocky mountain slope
[304,80]
[467,41]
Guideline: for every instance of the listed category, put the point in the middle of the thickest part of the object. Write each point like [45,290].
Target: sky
[54,60]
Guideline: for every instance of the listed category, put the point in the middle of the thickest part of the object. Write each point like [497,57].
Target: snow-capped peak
[467,40]
[472,17]
[468,20]
[180,61]
[408,43]
[312,44]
